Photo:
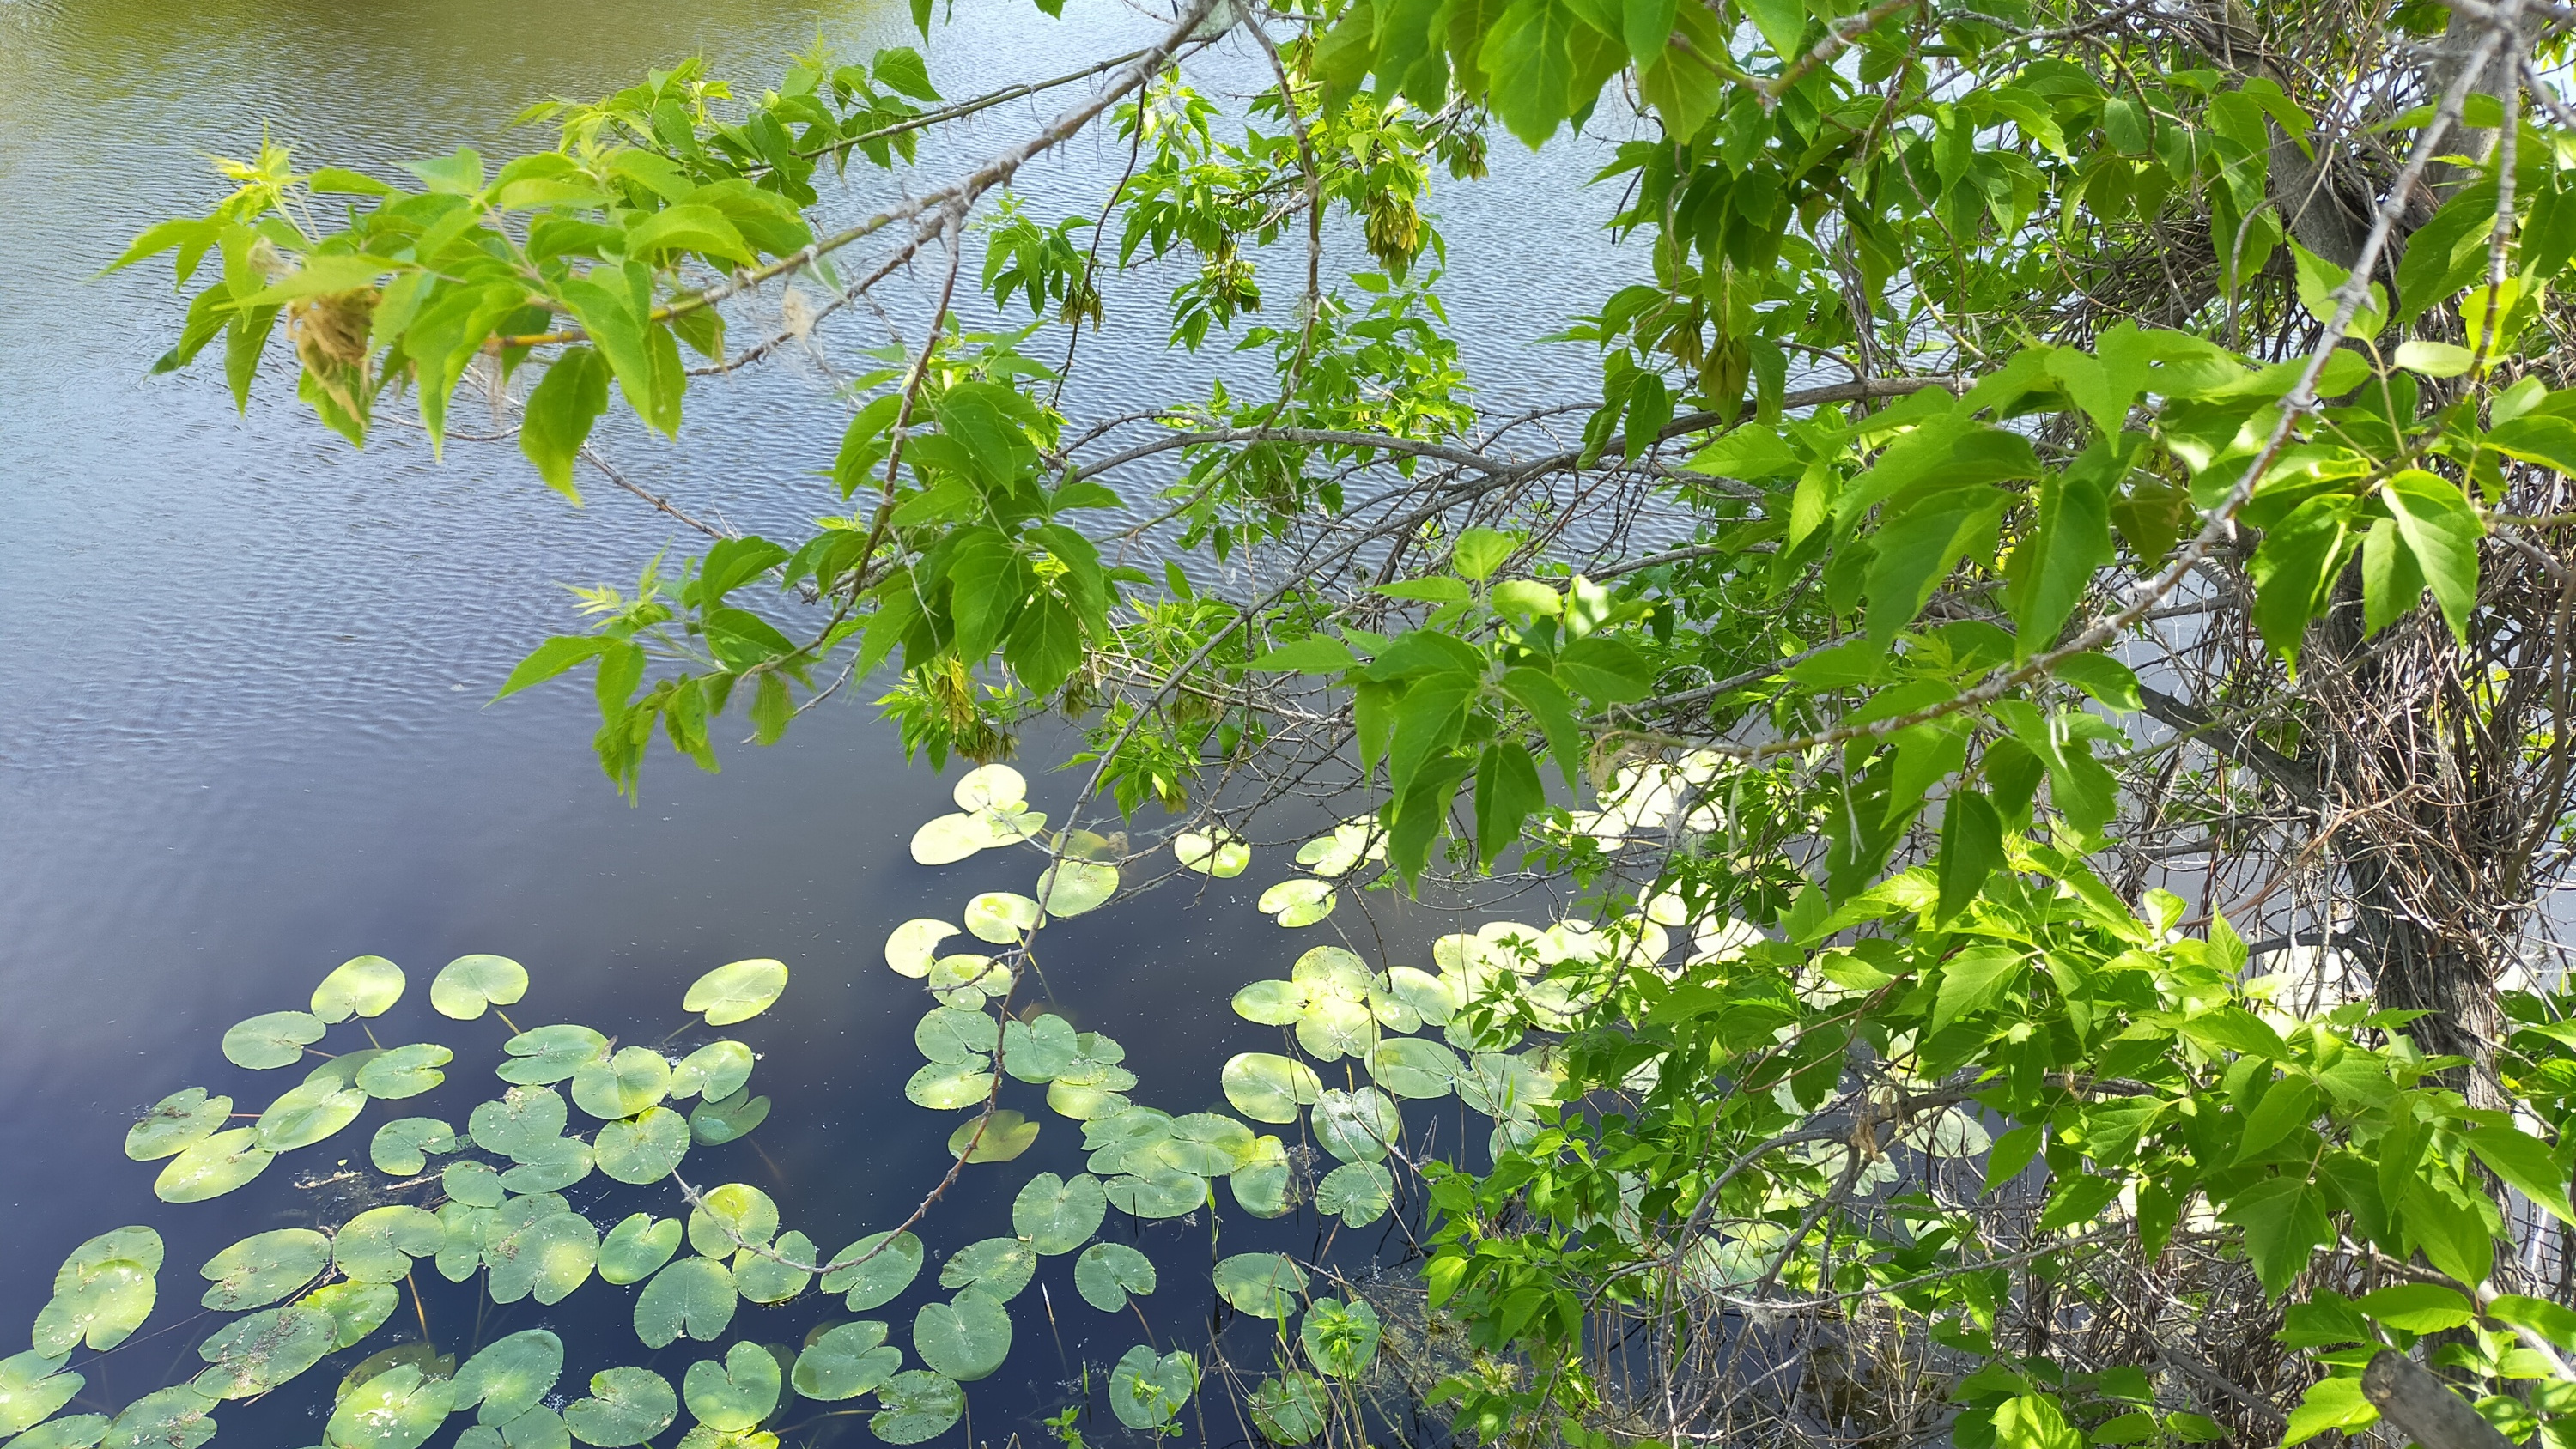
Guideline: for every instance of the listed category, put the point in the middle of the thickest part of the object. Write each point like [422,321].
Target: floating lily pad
[717,1121]
[1271,1003]
[1356,1126]
[377,1245]
[1291,1409]
[947,1086]
[1358,1192]
[1351,842]
[402,1146]
[693,1296]
[736,992]
[626,1406]
[1000,1267]
[277,1039]
[1083,1102]
[1333,971]
[1409,1066]
[915,944]
[342,1071]
[460,1256]
[32,1388]
[1219,852]
[520,1120]
[948,839]
[404,1071]
[1267,1087]
[511,1375]
[1161,1193]
[646,1149]
[397,1409]
[257,1353]
[773,1276]
[637,1247]
[1003,1135]
[78,1431]
[360,986]
[621,1085]
[465,987]
[549,1054]
[1146,1391]
[989,785]
[733,1396]
[550,1166]
[1073,887]
[179,1417]
[919,1405]
[1432,998]
[951,1034]
[176,1123]
[473,1183]
[1332,1028]
[1207,1144]
[307,1113]
[850,1359]
[1039,1049]
[967,981]
[1264,1285]
[1000,917]
[1058,1215]
[1107,1272]
[715,1070]
[101,1294]
[537,1248]
[966,1338]
[1296,903]
[1262,1186]
[879,1266]
[732,1216]
[355,1309]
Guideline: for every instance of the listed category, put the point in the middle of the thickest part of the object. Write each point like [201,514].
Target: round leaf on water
[1411,1066]
[966,980]
[264,1267]
[637,1247]
[99,1303]
[713,1071]
[404,1071]
[626,1406]
[997,1267]
[952,1034]
[461,1255]
[31,1389]
[717,1121]
[1431,997]
[549,1054]
[1163,1192]
[355,1309]
[1000,917]
[764,1278]
[915,944]
[1360,1192]
[307,1113]
[736,992]
[621,1085]
[736,1394]
[397,1409]
[1267,1087]
[1332,1028]
[255,1354]
[1107,1272]
[1332,971]
[522,1119]
[919,1405]
[694,1296]
[848,1360]
[536,1247]
[1072,887]
[1057,1215]
[1264,1285]
[277,1039]
[1271,1003]
[402,1146]
[464,987]
[1298,902]
[80,1431]
[1502,1085]
[178,1417]
[511,1375]
[550,1166]
[1037,1051]
[1356,1126]
[342,1071]
[999,1137]
[1290,1409]
[732,1216]
[176,1123]
[646,1149]
[1083,1103]
[473,1183]
[880,1266]
[360,986]
[986,786]
[1261,1186]
[1208,1144]
[966,1338]
[948,839]
[1145,1391]
[1218,853]
[946,1086]
[377,1245]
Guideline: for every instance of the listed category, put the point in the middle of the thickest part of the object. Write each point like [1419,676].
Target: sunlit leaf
[1145,1390]
[360,986]
[355,1309]
[989,785]
[277,1039]
[693,1296]
[646,1149]
[1264,1285]
[946,1086]
[404,1071]
[997,1138]
[622,1085]
[536,1248]
[1107,1272]
[550,1054]
[465,987]
[1163,1192]
[510,1375]
[1057,1215]
[1291,1409]
[213,1166]
[1217,853]
[176,1123]
[966,1338]
[377,1245]
[733,1396]
[1409,1066]
[736,992]
[254,1354]
[773,1274]
[402,1146]
[397,1409]
[919,1405]
[626,1406]
[732,1216]
[178,1417]
[1358,1192]
[715,1071]
[1000,917]
[1296,903]
[32,1387]
[915,944]
[874,1269]
[637,1247]
[1039,1049]
[1073,887]
[1263,1185]
[519,1120]
[848,1360]
[1356,1126]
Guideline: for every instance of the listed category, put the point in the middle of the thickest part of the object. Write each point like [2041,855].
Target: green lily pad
[880,1266]
[1271,1003]
[1499,1084]
[178,1417]
[998,1267]
[397,1409]
[465,987]
[1264,1285]
[254,1354]
[733,1396]
[264,1268]
[1112,1137]
[773,1276]
[550,1166]
[646,1149]
[1392,1011]
[717,1069]
[732,1216]
[626,1406]
[404,1071]
[1219,852]
[716,1122]
[1057,1215]
[535,1247]
[1432,998]
[622,1085]
[79,1431]
[1107,1272]
[511,1375]
[101,1305]
[1295,903]
[1073,887]
[1351,842]
[538,1428]
[1162,1193]
[1000,917]
[307,1113]
[1207,1144]
[461,1256]
[277,1039]
[912,946]
[947,1086]
[694,1296]
[966,1338]
[948,839]
[32,1388]
[1263,1185]
[850,1359]
[176,1123]
[475,1184]
[996,1138]
[1333,971]
[1036,1051]
[1411,1066]
[355,1309]
[951,1034]
[967,981]
[1291,1409]
[1358,1192]
[402,1146]
[637,1247]
[522,1119]
[1083,1102]
[549,1054]
[1268,1087]
[737,991]
[1146,1391]
[919,1405]
[342,1071]
[377,1245]
[1331,1028]
[361,986]
[986,786]
[138,1245]
[1356,1126]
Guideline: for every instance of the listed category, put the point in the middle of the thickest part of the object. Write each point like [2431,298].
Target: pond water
[243,667]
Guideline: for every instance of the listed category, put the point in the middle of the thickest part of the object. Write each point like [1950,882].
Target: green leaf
[964,1339]
[466,986]
[847,1361]
[1972,979]
[275,1039]
[2295,565]
[737,992]
[919,1405]
[362,986]
[645,1149]
[1314,654]
[1057,1215]
[1146,1391]
[2441,530]
[1782,23]
[2331,1403]
[623,1085]
[2525,1163]
[2290,1104]
[1532,44]
[694,1296]
[1546,702]
[1107,1272]
[1292,1408]
[1508,792]
[510,1375]
[880,1266]
[637,1248]
[626,1406]
[1972,846]
[176,1123]
[181,1417]
[733,1396]
[396,1409]
[1263,1285]
[2417,1307]
[2319,279]
[561,411]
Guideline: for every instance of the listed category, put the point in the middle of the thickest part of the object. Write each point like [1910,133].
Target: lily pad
[879,1266]
[1003,1135]
[967,980]
[1219,852]
[645,1149]
[534,1252]
[1037,1050]
[947,1086]
[998,1267]
[549,1054]
[179,1417]
[986,786]
[264,1268]
[97,1301]
[919,1405]
[355,1309]
[1332,1028]
[948,839]
[915,944]
[1502,1085]
[176,1123]
[402,1146]
[510,1375]
[850,1359]
[465,987]
[32,1388]
[473,1183]
[1073,887]
[550,1166]
[1146,1391]
[397,1409]
[693,1296]
[1058,1215]
[1206,1144]
[1410,1066]
[732,1216]
[520,1120]
[1162,1193]
[377,1245]
[626,1406]
[717,1121]
[460,1256]
[966,1338]
[1083,1102]
[1358,1192]
[342,1071]
[79,1431]
[952,1034]
[621,1085]
[1351,842]
[733,1396]
[277,1039]
[1291,1409]
[254,1354]
[772,1276]
[1264,1285]
[1000,917]
[404,1071]
[1300,902]
[715,1070]
[1262,1186]
[1267,1087]
[307,1113]
[361,986]
[637,1247]
[1107,1272]
[1356,1126]
[1271,1003]
[736,992]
